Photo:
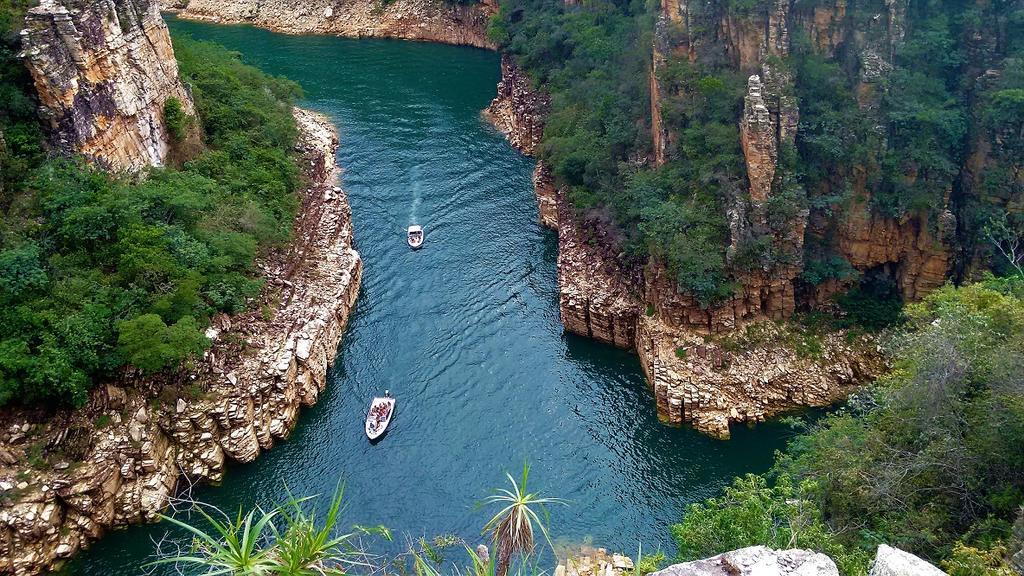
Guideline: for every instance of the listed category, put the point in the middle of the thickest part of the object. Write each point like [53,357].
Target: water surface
[464,332]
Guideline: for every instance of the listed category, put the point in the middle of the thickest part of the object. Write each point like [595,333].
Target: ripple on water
[465,332]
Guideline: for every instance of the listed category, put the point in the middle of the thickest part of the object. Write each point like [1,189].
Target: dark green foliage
[594,59]
[177,121]
[751,512]
[930,460]
[99,272]
[873,305]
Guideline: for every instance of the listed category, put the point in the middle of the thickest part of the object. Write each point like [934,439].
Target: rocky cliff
[913,250]
[707,367]
[429,20]
[518,111]
[103,71]
[65,480]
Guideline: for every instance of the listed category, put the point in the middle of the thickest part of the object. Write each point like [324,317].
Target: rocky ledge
[427,20]
[738,362]
[66,479]
[750,561]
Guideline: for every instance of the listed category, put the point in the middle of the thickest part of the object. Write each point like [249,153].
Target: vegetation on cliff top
[102,272]
[891,135]
[930,459]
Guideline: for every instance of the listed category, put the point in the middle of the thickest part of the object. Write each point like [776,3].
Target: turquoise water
[464,332]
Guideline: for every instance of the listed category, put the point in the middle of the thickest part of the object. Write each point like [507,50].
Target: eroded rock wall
[103,70]
[121,458]
[698,372]
[427,20]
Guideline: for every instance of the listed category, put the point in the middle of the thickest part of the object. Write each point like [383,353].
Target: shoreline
[245,394]
[410,20]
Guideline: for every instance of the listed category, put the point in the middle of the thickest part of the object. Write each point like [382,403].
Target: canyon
[137,443]
[694,378]
[104,77]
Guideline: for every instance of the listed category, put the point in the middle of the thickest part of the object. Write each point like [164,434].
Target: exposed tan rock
[547,196]
[748,375]
[596,298]
[518,111]
[920,260]
[246,393]
[406,19]
[103,70]
[760,142]
[589,561]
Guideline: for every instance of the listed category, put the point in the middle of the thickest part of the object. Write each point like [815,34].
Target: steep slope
[103,72]
[129,450]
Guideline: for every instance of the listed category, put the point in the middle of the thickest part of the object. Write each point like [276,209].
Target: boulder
[757,561]
[891,561]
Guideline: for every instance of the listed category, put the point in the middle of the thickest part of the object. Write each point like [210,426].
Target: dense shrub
[98,272]
[930,460]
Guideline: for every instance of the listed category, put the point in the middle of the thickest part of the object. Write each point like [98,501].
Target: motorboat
[415,236]
[378,418]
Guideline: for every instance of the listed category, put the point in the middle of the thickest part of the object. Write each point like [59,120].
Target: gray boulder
[757,561]
[891,561]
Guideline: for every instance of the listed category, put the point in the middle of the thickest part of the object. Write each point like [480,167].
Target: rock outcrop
[66,480]
[589,561]
[692,355]
[518,111]
[596,296]
[757,561]
[427,20]
[104,70]
[891,561]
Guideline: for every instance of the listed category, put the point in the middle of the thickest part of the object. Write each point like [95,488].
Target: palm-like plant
[291,540]
[512,527]
[306,547]
[230,547]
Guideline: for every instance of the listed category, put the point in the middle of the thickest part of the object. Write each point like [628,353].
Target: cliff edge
[104,71]
[427,20]
[127,452]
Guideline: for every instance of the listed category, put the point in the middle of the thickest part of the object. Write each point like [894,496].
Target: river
[465,332]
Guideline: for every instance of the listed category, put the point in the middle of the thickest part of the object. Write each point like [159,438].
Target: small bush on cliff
[99,272]
[177,121]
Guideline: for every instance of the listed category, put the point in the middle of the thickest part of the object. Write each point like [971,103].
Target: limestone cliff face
[103,70]
[696,376]
[598,297]
[914,251]
[518,111]
[429,20]
[244,396]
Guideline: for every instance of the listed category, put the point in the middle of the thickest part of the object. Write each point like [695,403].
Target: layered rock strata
[708,367]
[428,20]
[65,480]
[103,71]
[518,111]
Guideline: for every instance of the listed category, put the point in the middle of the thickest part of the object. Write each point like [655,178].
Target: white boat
[379,416]
[415,236]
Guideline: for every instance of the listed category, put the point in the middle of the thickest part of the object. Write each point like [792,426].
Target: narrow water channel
[464,332]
